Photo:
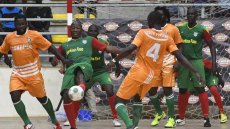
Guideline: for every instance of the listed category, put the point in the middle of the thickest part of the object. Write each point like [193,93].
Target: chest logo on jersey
[192,41]
[195,34]
[78,49]
[84,41]
[21,47]
[95,58]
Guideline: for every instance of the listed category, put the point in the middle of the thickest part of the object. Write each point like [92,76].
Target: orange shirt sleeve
[139,38]
[172,46]
[177,37]
[40,42]
[5,47]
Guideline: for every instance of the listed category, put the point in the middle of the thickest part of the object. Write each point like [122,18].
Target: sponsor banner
[224,62]
[220,37]
[124,38]
[226,87]
[208,24]
[86,25]
[193,99]
[113,77]
[103,36]
[145,100]
[111,26]
[135,25]
[126,63]
[213,99]
[226,25]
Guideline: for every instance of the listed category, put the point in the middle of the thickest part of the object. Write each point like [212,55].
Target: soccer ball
[76,93]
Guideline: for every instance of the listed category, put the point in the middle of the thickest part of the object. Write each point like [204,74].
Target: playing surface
[41,123]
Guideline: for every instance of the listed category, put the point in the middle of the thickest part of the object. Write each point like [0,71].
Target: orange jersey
[24,50]
[173,32]
[152,46]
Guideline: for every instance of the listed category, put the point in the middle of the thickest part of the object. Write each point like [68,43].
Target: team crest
[195,34]
[29,40]
[84,41]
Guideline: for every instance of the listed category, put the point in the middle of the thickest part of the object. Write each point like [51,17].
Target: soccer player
[79,49]
[101,75]
[212,81]
[194,35]
[168,75]
[26,75]
[151,45]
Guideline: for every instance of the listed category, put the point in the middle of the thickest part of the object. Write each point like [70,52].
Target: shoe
[116,123]
[179,121]
[223,118]
[29,126]
[57,126]
[66,123]
[170,123]
[207,122]
[133,127]
[157,118]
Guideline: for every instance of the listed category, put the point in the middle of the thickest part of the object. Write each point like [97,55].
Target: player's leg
[170,105]
[128,89]
[155,100]
[17,87]
[106,85]
[37,89]
[137,110]
[20,108]
[203,96]
[211,83]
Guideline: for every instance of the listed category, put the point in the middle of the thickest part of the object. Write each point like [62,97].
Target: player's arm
[103,47]
[4,48]
[207,38]
[54,62]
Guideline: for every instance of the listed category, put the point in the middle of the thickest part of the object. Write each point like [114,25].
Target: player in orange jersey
[168,75]
[26,75]
[151,45]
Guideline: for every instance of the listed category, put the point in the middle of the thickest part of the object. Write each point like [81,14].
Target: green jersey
[97,59]
[79,50]
[193,40]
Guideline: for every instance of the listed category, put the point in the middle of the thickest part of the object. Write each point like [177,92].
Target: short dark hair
[165,11]
[155,17]
[20,16]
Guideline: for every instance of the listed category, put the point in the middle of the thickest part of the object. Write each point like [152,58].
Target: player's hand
[110,65]
[199,78]
[67,62]
[62,70]
[54,62]
[117,70]
[7,61]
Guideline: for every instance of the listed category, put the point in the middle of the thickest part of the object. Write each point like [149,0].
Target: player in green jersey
[193,35]
[79,49]
[101,75]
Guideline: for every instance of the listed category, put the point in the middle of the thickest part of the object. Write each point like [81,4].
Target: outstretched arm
[187,64]
[125,52]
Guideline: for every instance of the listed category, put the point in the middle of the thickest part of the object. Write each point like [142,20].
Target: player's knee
[15,96]
[200,90]
[43,100]
[108,89]
[168,91]
[182,90]
[153,91]
[137,99]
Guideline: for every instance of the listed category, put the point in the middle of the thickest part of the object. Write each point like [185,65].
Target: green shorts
[211,79]
[103,78]
[186,79]
[69,76]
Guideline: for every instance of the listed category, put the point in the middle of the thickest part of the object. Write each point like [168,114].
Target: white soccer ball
[76,93]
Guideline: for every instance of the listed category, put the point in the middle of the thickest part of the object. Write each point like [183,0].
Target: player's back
[173,32]
[152,46]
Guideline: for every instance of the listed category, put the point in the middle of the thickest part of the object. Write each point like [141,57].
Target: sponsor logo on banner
[220,37]
[126,63]
[124,38]
[111,26]
[193,99]
[209,25]
[226,25]
[213,99]
[223,62]
[207,51]
[103,36]
[113,77]
[85,25]
[145,100]
[206,88]
[176,89]
[228,50]
[226,87]
[135,25]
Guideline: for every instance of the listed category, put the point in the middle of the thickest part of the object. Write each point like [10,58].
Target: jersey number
[153,52]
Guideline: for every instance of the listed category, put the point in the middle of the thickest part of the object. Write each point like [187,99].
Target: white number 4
[153,52]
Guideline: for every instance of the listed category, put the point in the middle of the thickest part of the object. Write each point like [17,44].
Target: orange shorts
[131,87]
[33,84]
